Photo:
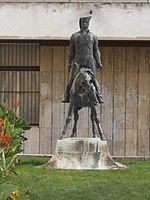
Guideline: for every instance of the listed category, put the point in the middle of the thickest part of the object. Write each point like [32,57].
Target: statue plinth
[84,154]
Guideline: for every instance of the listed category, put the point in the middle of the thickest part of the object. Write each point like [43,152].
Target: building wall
[125,115]
[57,20]
[125,79]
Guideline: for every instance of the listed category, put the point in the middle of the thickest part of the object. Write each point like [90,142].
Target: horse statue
[83,94]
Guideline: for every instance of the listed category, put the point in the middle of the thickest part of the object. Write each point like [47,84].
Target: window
[19,78]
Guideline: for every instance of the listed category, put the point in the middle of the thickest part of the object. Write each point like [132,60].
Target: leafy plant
[8,191]
[12,128]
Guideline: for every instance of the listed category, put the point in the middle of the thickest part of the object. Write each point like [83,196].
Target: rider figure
[85,52]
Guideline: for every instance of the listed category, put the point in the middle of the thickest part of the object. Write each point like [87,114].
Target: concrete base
[82,153]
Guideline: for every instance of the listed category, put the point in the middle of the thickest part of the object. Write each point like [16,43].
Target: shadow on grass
[33,161]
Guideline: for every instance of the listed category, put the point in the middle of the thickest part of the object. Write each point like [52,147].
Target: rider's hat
[87,19]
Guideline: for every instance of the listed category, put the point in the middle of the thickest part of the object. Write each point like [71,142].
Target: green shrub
[12,128]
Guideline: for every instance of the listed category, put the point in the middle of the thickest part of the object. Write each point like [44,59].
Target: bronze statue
[83,89]
[85,52]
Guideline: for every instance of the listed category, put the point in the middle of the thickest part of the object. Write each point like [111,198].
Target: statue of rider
[85,52]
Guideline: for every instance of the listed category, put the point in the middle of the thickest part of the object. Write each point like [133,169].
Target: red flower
[5,138]
[1,122]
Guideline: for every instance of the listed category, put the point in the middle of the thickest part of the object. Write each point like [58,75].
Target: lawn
[52,184]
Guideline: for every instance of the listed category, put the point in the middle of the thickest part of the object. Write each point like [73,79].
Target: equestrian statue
[83,89]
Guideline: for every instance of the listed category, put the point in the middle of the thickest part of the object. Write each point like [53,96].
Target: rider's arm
[96,53]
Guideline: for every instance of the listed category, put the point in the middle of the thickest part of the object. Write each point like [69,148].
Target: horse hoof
[61,137]
[72,136]
[103,139]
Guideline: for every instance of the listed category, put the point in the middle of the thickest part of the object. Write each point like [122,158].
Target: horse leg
[76,117]
[93,124]
[68,120]
[96,119]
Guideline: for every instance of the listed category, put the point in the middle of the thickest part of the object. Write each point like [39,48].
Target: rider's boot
[99,97]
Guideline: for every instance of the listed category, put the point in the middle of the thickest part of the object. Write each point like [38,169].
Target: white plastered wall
[60,20]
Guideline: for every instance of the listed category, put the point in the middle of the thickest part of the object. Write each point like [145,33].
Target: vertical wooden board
[3,54]
[119,114]
[131,142]
[119,60]
[58,87]
[143,142]
[14,60]
[144,87]
[31,146]
[33,48]
[131,112]
[58,58]
[45,140]
[131,100]
[107,55]
[37,53]
[107,94]
[119,101]
[45,99]
[143,115]
[10,46]
[18,53]
[132,58]
[6,55]
[143,102]
[144,59]
[46,58]
[58,107]
[45,120]
[30,54]
[25,56]
[22,53]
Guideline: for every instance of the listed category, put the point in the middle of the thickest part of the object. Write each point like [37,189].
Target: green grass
[53,184]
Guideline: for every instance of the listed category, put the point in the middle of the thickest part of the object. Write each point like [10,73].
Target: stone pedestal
[82,153]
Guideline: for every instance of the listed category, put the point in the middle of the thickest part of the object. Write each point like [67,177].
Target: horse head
[87,75]
[84,78]
[83,90]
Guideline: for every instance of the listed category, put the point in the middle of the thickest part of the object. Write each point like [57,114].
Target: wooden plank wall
[125,115]
[125,84]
